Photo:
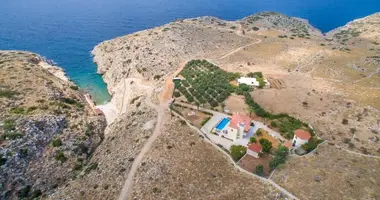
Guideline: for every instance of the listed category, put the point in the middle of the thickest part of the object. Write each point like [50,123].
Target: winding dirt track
[164,98]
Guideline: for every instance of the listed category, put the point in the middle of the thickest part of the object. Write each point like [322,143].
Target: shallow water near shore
[66,31]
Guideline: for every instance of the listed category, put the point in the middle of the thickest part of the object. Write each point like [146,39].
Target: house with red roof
[238,127]
[300,137]
[254,150]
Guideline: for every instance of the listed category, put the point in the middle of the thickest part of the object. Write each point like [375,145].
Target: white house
[252,82]
[234,129]
[254,150]
[248,81]
[300,137]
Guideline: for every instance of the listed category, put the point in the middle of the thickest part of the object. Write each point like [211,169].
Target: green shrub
[11,136]
[177,94]
[7,93]
[36,193]
[2,160]
[252,140]
[9,125]
[259,170]
[165,29]
[280,157]
[345,121]
[24,192]
[273,124]
[233,27]
[266,144]
[237,151]
[57,142]
[74,87]
[90,167]
[60,156]
[18,110]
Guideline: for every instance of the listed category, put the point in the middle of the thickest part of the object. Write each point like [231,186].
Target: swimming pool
[222,124]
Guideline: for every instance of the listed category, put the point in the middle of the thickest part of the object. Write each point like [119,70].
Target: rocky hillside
[290,26]
[47,132]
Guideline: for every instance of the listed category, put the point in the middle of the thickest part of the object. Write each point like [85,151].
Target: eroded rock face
[47,132]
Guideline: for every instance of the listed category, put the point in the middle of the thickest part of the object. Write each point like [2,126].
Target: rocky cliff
[47,132]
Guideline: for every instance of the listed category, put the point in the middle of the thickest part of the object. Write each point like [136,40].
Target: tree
[252,140]
[280,157]
[177,94]
[259,170]
[266,144]
[197,104]
[237,152]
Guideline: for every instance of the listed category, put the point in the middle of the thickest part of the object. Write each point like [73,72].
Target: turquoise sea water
[66,31]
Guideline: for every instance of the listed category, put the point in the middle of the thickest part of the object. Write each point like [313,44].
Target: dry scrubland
[181,165]
[331,173]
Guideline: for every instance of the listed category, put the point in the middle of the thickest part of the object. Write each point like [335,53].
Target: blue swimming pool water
[222,124]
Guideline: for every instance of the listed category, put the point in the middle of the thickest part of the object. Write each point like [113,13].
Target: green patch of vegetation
[90,167]
[266,144]
[74,87]
[282,36]
[237,152]
[2,160]
[7,93]
[259,170]
[233,27]
[57,142]
[36,193]
[9,125]
[205,83]
[18,110]
[280,157]
[23,152]
[255,28]
[71,101]
[312,144]
[205,120]
[11,136]
[24,192]
[252,140]
[60,156]
[165,29]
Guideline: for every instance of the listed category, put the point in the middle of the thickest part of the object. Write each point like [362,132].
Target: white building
[254,150]
[252,82]
[300,137]
[248,81]
[234,129]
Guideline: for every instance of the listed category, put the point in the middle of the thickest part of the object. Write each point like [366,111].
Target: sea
[66,31]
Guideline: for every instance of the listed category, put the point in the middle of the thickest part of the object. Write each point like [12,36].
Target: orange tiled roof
[302,134]
[255,147]
[240,119]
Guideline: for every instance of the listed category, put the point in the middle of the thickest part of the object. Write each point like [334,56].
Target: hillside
[149,153]
[47,131]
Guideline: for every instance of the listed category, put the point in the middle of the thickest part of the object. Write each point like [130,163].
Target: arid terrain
[47,131]
[331,81]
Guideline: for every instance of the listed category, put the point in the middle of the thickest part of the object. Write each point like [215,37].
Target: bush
[57,142]
[237,152]
[205,120]
[18,110]
[2,160]
[266,144]
[345,121]
[36,193]
[233,27]
[60,156]
[91,167]
[11,136]
[8,93]
[255,28]
[259,170]
[273,124]
[252,140]
[177,94]
[280,157]
[74,87]
[9,125]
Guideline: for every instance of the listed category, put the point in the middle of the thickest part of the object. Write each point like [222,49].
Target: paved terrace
[217,117]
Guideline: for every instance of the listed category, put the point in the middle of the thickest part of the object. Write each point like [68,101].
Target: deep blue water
[67,30]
